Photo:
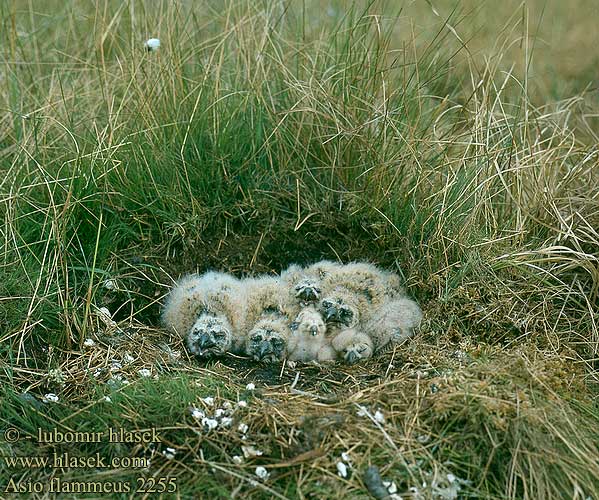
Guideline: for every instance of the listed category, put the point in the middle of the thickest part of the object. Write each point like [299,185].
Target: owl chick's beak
[265,348]
[206,341]
[330,313]
[352,357]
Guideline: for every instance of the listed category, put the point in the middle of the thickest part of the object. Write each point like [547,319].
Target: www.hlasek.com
[66,460]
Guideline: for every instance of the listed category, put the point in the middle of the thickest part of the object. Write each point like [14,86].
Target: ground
[452,142]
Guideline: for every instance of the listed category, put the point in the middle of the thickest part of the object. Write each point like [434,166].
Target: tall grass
[264,133]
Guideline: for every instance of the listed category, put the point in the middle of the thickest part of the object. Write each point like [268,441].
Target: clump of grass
[258,136]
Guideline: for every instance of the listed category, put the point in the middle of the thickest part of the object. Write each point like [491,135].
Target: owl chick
[206,310]
[394,321]
[266,318]
[351,293]
[308,340]
[304,283]
[352,344]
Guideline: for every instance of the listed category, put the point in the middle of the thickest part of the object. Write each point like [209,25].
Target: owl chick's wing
[394,321]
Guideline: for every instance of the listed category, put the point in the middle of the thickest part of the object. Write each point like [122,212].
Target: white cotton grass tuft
[50,398]
[262,473]
[152,44]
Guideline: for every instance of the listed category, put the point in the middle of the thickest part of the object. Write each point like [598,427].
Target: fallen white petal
[50,398]
[210,423]
[152,44]
[262,473]
[226,421]
[196,413]
[250,451]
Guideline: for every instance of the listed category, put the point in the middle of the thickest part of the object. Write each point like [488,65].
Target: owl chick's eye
[257,338]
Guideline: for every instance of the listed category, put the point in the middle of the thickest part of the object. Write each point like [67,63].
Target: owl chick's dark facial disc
[210,336]
[266,345]
[334,310]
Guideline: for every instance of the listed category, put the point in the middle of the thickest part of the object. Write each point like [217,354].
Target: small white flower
[243,428]
[144,372]
[210,423]
[250,451]
[107,399]
[208,400]
[242,404]
[219,413]
[342,469]
[250,387]
[227,405]
[89,343]
[50,398]
[226,421]
[169,453]
[237,460]
[379,417]
[262,473]
[152,44]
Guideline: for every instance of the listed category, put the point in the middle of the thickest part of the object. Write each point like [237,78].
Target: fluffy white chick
[206,310]
[351,344]
[351,293]
[305,283]
[266,318]
[308,340]
[394,321]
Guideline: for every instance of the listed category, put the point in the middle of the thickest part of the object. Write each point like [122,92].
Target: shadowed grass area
[443,141]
